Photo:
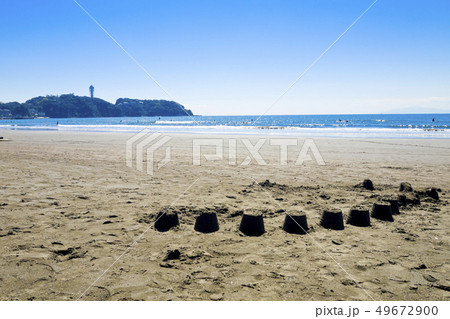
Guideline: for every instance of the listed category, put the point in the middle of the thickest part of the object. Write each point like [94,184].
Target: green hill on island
[70,105]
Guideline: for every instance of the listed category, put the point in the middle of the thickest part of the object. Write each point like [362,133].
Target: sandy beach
[76,222]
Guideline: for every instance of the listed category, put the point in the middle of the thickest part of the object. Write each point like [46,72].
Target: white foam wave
[307,131]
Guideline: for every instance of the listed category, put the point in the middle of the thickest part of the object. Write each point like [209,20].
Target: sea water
[349,126]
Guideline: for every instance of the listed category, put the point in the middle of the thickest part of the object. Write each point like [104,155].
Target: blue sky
[232,57]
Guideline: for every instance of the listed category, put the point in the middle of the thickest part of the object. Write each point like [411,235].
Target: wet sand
[75,221]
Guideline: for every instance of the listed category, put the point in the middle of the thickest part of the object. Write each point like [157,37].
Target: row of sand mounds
[252,222]
[359,216]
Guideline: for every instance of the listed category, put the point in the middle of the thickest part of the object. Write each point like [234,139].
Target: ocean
[347,126]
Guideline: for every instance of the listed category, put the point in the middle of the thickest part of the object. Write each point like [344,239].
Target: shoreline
[306,132]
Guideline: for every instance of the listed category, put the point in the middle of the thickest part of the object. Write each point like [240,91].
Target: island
[73,106]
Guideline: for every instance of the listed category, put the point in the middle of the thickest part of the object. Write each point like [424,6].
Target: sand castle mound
[332,219]
[408,199]
[252,224]
[166,220]
[382,211]
[207,222]
[366,184]
[295,224]
[359,216]
[394,204]
[432,192]
[405,187]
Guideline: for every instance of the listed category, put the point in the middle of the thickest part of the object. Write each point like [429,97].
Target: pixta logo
[142,147]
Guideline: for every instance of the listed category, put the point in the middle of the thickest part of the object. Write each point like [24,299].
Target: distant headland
[72,106]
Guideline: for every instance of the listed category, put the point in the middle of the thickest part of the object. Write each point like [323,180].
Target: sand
[76,222]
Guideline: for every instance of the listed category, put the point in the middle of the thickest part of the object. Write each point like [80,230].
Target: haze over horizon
[232,57]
